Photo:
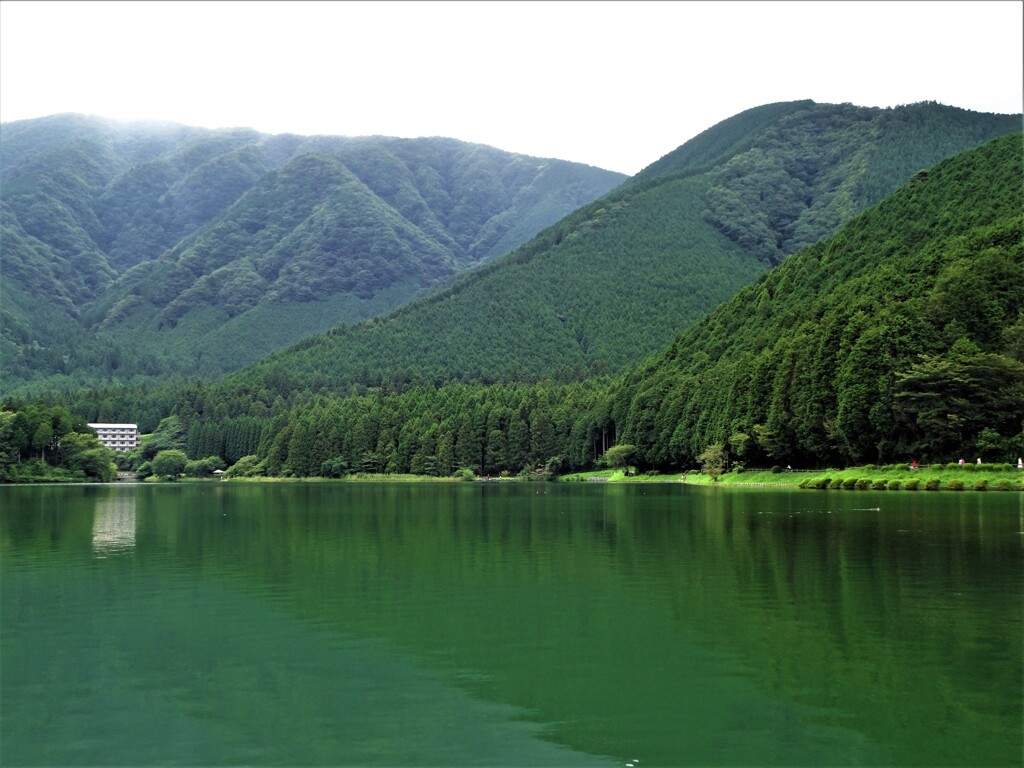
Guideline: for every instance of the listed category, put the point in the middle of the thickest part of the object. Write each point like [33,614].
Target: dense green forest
[140,252]
[901,337]
[45,444]
[897,336]
[135,251]
[615,281]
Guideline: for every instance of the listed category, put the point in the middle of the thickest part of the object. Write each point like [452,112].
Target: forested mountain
[602,289]
[141,249]
[616,280]
[901,337]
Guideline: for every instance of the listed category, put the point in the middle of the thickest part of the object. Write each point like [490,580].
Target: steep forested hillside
[160,249]
[616,280]
[787,175]
[901,337]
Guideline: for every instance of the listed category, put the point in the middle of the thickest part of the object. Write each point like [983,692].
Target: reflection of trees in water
[113,526]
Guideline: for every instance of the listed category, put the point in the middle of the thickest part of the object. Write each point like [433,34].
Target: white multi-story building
[117,437]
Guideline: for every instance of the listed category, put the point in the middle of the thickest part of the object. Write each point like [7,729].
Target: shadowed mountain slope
[901,337]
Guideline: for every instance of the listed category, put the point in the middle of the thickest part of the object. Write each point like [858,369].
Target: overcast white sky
[611,84]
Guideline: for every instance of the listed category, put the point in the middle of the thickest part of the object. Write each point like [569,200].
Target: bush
[837,483]
[556,465]
[776,469]
[863,484]
[822,483]
[878,485]
[894,485]
[169,463]
[955,485]
[538,474]
[203,467]
[953,465]
[869,467]
[911,485]
[932,485]
[247,466]
[1003,485]
[464,474]
[849,483]
[981,485]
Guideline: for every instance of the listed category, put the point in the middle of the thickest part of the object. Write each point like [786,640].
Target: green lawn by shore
[890,477]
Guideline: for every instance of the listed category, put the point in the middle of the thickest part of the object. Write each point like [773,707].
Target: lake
[509,624]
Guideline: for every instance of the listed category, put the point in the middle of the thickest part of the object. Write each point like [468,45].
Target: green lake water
[509,625]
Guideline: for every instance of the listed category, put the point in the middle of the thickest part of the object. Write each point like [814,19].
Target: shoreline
[969,477]
[938,477]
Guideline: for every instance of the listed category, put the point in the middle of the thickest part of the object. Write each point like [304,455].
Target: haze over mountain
[148,249]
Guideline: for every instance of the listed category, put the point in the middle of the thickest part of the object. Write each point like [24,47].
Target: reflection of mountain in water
[113,527]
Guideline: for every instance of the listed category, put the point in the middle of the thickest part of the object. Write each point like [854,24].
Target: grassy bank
[891,477]
[618,476]
[359,477]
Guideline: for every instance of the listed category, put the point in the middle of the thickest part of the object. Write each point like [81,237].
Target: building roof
[113,426]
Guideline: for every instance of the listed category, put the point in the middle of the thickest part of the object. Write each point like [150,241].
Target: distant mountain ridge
[604,287]
[616,280]
[137,248]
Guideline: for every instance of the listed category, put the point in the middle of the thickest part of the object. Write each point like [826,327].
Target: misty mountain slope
[156,244]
